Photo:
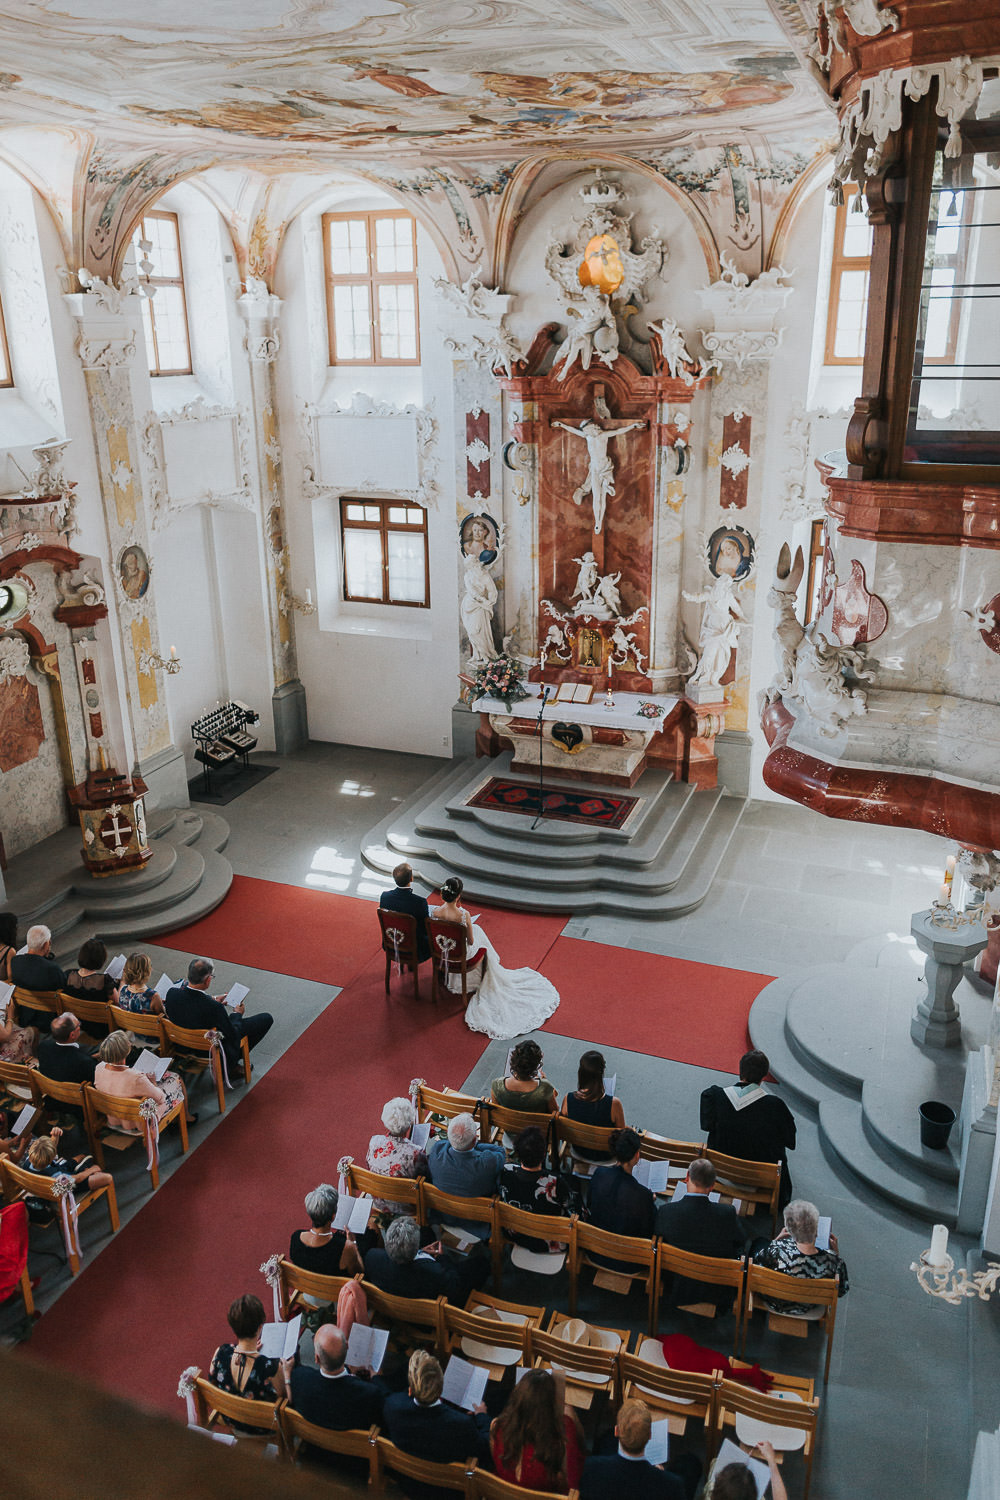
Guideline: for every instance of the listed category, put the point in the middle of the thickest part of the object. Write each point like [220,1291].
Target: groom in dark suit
[403,899]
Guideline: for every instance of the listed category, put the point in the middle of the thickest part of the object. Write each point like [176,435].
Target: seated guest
[536,1442]
[328,1394]
[629,1472]
[736,1482]
[113,1076]
[135,994]
[526,1087]
[88,980]
[703,1228]
[36,970]
[240,1368]
[321,1248]
[794,1252]
[403,1269]
[18,1044]
[617,1202]
[8,944]
[13,1146]
[590,1105]
[191,1006]
[465,1167]
[394,1154]
[402,898]
[743,1119]
[60,1056]
[525,1185]
[420,1423]
[44,1158]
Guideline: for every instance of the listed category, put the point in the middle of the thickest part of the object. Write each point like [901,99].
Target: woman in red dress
[535,1442]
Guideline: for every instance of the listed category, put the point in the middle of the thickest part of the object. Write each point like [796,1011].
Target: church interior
[547,447]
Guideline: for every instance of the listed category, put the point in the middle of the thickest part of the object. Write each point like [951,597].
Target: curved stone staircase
[661,865]
[186,878]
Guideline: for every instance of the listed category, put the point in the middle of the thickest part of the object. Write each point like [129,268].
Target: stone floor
[912,1379]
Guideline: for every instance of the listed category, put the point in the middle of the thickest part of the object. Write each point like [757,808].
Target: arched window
[164,315]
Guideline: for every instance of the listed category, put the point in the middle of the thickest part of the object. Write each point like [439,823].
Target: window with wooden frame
[817,543]
[385,552]
[849,272]
[6,369]
[164,314]
[371,288]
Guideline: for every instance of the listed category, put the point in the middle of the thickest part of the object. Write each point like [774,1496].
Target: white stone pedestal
[936,1022]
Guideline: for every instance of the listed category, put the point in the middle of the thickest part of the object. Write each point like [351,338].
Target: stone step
[896,1136]
[768,1033]
[97,895]
[214,834]
[842,1130]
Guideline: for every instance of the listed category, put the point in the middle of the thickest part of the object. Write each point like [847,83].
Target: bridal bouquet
[500,679]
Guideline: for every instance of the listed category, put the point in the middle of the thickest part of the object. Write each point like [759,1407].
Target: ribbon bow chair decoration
[446,947]
[416,1084]
[397,936]
[215,1039]
[271,1274]
[185,1391]
[63,1188]
[151,1127]
[342,1166]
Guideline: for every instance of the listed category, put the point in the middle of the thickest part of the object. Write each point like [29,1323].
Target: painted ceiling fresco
[404,78]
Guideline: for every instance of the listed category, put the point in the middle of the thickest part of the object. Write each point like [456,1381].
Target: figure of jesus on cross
[600,480]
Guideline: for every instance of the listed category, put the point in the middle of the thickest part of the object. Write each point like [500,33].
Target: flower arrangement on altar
[648,710]
[500,678]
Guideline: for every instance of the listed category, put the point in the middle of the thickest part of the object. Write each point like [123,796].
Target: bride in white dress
[509,1002]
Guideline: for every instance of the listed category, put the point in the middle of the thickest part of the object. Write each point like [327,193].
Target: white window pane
[147,328]
[406,567]
[414,517]
[171,328]
[355,512]
[857,233]
[397,314]
[393,245]
[373,513]
[351,318]
[397,515]
[852,307]
[165,253]
[947,237]
[348,247]
[363,564]
[939,305]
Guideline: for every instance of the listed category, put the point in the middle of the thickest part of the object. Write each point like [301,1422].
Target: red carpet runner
[154,1301]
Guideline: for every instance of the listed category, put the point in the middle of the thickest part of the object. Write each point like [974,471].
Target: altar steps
[868,1125]
[185,879]
[661,864]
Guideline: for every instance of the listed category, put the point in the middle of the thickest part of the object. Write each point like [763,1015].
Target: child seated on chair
[43,1159]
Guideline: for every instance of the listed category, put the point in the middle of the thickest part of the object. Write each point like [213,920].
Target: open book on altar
[574,692]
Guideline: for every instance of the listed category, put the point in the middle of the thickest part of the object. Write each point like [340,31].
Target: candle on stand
[173,653]
[309,596]
[944,895]
[937,1255]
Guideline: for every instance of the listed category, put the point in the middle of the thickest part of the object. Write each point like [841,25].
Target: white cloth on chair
[509,1002]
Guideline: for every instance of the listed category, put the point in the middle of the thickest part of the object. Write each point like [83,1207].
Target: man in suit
[36,970]
[328,1394]
[190,1005]
[402,898]
[404,1270]
[696,1224]
[60,1056]
[420,1423]
[743,1119]
[466,1168]
[628,1472]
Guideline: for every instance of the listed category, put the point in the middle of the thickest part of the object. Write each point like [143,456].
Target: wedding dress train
[509,1002]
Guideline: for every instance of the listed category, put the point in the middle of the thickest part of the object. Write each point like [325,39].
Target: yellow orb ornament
[602,265]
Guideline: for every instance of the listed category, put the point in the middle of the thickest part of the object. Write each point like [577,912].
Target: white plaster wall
[374,675]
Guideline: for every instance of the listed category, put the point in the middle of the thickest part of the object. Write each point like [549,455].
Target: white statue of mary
[478,602]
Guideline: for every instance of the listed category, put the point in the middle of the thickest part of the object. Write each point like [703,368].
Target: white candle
[944,895]
[173,653]
[949,866]
[309,596]
[938,1253]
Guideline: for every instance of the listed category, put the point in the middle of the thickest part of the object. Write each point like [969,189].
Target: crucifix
[600,480]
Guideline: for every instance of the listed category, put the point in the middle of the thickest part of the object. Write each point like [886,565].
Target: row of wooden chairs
[752,1183]
[96,1106]
[650,1261]
[449,945]
[194,1052]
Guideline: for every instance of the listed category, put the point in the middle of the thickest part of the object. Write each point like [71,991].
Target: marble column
[108,336]
[936,1022]
[261,311]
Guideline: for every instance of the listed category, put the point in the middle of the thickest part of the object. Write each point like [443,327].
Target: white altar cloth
[624,715]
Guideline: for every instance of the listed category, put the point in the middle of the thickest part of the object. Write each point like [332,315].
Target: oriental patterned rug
[599,809]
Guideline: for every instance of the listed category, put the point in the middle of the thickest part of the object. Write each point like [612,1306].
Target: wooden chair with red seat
[14,1256]
[399,944]
[451,957]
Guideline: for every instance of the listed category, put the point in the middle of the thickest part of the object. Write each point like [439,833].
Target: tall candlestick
[309,596]
[938,1253]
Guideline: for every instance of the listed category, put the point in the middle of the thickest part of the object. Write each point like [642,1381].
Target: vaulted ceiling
[405,79]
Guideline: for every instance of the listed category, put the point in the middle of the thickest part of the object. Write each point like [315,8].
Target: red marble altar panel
[477,428]
[21,728]
[733,488]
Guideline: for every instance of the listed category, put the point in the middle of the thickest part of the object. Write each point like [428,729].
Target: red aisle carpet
[155,1300]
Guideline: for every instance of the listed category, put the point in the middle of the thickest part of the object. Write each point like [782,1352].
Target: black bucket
[936,1121]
